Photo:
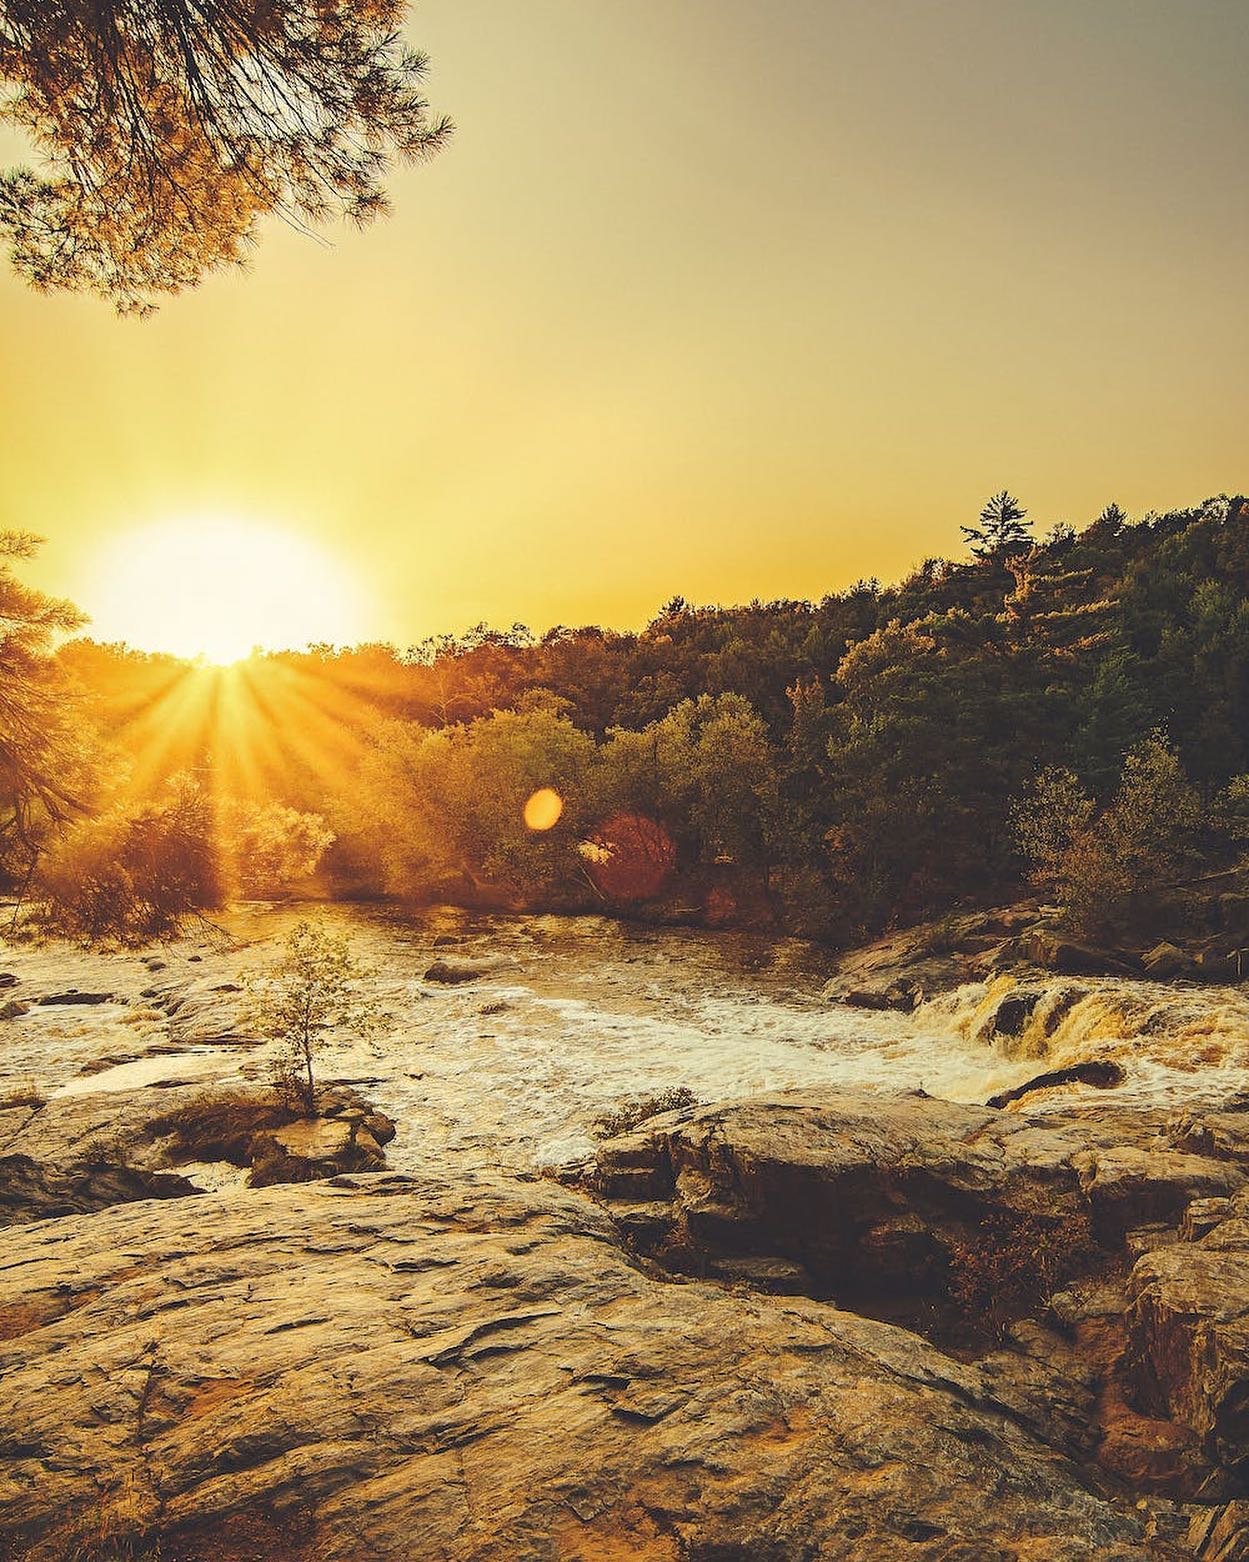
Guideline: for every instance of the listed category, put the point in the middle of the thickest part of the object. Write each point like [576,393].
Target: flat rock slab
[406,1368]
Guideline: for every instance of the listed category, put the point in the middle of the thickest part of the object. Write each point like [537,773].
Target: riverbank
[818,1317]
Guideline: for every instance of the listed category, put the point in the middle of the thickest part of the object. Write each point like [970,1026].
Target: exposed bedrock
[389,1367]
[870,1197]
[1098,1261]
[997,1339]
[79,1153]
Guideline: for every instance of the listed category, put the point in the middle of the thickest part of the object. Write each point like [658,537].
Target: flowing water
[580,1014]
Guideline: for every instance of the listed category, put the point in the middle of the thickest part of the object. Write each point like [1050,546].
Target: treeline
[837,766]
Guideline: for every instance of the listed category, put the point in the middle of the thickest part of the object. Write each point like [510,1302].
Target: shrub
[1104,867]
[636,1110]
[273,846]
[1013,1263]
[133,873]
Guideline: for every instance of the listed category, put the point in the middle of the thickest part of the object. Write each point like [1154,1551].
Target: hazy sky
[705,296]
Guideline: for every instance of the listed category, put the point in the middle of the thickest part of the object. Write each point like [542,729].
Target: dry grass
[24,1093]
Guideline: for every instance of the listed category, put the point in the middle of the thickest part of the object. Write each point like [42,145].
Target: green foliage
[272,847]
[135,872]
[434,807]
[930,743]
[1230,813]
[167,131]
[1003,530]
[858,761]
[1106,867]
[1054,814]
[44,760]
[437,805]
[312,990]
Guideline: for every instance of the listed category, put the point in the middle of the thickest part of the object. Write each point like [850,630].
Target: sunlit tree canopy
[168,128]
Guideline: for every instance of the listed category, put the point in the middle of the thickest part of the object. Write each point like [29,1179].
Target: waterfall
[1163,1037]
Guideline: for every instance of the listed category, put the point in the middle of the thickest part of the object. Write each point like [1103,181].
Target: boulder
[904,1206]
[1189,1337]
[261,1130]
[1068,957]
[13,1009]
[865,998]
[473,1371]
[1011,1016]
[1165,961]
[454,972]
[1100,1073]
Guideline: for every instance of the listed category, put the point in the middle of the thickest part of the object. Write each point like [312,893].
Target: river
[582,1014]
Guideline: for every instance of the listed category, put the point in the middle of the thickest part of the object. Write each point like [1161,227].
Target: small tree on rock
[311,990]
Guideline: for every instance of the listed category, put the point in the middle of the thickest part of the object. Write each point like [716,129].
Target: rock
[1130,1185]
[13,1009]
[453,972]
[1165,961]
[7,979]
[863,998]
[1189,1339]
[29,1191]
[904,1206]
[320,1147]
[1011,1016]
[1220,1534]
[258,1129]
[1102,1074]
[896,995]
[74,996]
[1070,958]
[897,970]
[473,1371]
[1232,911]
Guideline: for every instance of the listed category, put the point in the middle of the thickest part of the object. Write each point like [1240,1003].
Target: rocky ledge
[381,1366]
[813,1325]
[1095,1264]
[1198,933]
[75,1154]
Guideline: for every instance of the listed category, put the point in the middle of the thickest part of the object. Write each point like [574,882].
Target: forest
[1069,711]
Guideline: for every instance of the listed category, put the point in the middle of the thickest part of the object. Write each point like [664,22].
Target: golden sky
[705,296]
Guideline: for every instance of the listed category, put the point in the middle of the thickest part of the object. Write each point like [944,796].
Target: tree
[136,871]
[42,756]
[435,807]
[313,988]
[1003,530]
[1053,814]
[170,127]
[272,846]
[1106,870]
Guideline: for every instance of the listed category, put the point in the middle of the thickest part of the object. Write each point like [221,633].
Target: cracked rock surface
[387,1366]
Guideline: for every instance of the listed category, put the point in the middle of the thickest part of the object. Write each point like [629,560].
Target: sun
[218,588]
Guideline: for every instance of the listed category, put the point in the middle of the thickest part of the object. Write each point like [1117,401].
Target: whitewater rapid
[582,1014]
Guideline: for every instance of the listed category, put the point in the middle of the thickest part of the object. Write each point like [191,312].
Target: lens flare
[543,809]
[629,857]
